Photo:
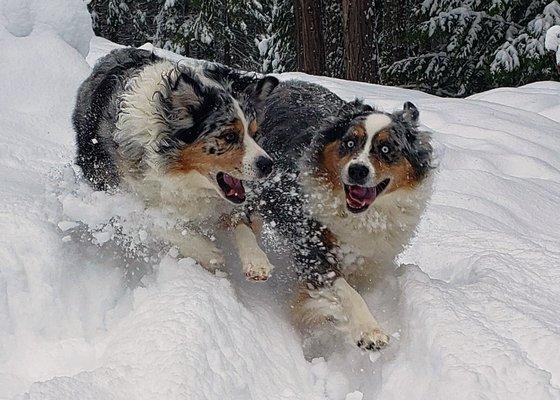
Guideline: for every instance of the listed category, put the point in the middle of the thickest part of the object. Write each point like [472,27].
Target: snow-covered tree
[552,44]
[522,58]
[123,21]
[447,47]
[464,46]
[219,30]
[277,44]
[227,31]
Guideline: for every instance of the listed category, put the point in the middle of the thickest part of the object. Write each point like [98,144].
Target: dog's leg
[342,305]
[254,261]
[196,246]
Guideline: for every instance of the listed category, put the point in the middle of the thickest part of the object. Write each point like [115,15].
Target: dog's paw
[258,271]
[373,340]
[211,259]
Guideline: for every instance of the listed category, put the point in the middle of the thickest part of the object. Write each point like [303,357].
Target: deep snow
[473,309]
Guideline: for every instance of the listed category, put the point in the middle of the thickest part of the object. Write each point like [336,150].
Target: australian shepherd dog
[353,184]
[181,138]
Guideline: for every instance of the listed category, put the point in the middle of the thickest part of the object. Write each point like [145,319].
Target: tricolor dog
[354,183]
[179,137]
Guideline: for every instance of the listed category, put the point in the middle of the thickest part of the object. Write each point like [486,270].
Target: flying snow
[92,307]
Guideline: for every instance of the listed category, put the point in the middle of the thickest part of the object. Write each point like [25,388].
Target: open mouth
[231,187]
[359,198]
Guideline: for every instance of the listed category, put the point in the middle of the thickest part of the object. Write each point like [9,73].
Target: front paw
[258,271]
[373,340]
[211,259]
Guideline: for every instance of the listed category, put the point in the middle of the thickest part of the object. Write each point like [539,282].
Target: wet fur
[164,130]
[304,127]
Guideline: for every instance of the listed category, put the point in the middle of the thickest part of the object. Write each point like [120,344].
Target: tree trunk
[311,52]
[360,55]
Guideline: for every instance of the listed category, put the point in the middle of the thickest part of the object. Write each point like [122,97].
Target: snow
[472,310]
[552,41]
[539,97]
[69,19]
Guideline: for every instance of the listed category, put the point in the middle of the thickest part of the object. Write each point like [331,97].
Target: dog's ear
[410,112]
[188,91]
[264,87]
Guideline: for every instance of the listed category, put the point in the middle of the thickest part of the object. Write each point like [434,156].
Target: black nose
[358,173]
[264,166]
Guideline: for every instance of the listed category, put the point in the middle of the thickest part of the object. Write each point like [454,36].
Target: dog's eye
[231,138]
[386,151]
[350,144]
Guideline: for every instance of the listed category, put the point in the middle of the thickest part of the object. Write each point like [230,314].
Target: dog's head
[366,154]
[212,127]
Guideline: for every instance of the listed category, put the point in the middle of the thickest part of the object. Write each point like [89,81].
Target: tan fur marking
[382,135]
[303,318]
[329,238]
[401,173]
[330,164]
[360,131]
[237,126]
[195,158]
[253,127]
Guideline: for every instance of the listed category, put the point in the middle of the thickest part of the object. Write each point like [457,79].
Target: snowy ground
[473,310]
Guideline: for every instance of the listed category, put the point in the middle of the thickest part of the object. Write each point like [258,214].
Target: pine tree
[122,21]
[465,46]
[522,58]
[277,44]
[218,30]
[227,31]
[333,35]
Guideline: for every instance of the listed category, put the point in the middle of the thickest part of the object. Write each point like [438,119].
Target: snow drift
[473,309]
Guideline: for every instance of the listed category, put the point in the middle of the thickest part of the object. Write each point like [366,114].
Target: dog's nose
[264,166]
[358,173]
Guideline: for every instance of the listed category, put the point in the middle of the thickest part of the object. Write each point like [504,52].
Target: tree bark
[311,52]
[360,53]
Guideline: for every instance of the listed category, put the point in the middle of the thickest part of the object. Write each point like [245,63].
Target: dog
[181,138]
[352,184]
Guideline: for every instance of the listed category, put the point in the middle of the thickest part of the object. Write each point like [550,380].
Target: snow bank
[189,337]
[472,311]
[67,18]
[539,97]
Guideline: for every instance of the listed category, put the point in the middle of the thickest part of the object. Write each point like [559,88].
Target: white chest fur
[378,234]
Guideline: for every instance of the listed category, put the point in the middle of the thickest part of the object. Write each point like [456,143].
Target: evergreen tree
[218,30]
[465,46]
[277,44]
[123,21]
[227,31]
[333,37]
[522,58]
[446,47]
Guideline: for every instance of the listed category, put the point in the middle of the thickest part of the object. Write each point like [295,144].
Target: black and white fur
[332,241]
[172,134]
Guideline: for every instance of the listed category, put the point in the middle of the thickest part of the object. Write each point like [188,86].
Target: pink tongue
[360,196]
[236,187]
[358,191]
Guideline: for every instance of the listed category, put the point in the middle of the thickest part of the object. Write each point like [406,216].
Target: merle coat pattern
[300,121]
[181,138]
